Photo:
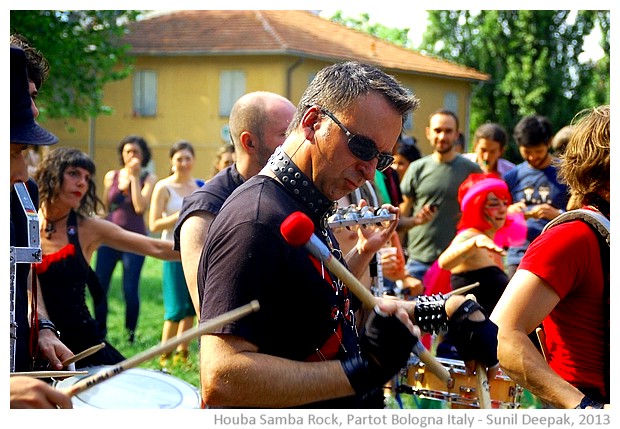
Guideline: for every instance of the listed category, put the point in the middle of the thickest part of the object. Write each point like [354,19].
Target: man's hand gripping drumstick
[298,230]
[478,333]
[476,342]
[201,329]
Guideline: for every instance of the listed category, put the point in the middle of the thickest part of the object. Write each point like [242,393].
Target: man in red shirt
[563,282]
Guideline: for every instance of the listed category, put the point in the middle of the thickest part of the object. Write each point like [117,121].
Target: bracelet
[48,324]
[587,402]
[430,313]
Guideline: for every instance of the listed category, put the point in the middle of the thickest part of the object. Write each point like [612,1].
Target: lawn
[150,321]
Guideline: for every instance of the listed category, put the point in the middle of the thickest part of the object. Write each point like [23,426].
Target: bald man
[258,123]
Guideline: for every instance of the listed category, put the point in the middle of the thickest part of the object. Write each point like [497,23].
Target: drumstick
[542,339]
[461,290]
[48,374]
[83,354]
[484,390]
[297,229]
[171,344]
[433,364]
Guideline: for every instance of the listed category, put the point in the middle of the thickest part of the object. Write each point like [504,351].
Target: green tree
[595,75]
[84,54]
[532,57]
[397,36]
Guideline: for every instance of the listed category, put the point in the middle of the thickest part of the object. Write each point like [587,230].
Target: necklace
[50,228]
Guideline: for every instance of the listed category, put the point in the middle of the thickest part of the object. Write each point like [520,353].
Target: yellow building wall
[188,106]
[432,91]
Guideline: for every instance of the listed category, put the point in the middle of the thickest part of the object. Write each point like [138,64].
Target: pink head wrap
[473,194]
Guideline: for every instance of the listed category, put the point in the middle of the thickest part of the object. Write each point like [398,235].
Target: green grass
[150,321]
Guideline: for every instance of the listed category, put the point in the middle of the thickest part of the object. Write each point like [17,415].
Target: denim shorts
[417,268]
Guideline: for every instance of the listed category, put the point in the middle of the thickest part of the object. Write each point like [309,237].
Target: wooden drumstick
[461,290]
[297,229]
[168,346]
[48,374]
[484,390]
[82,354]
[433,364]
[542,340]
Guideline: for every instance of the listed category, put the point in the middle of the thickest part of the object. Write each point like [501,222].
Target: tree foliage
[84,54]
[362,23]
[532,56]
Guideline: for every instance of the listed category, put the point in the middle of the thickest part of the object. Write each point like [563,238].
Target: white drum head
[135,388]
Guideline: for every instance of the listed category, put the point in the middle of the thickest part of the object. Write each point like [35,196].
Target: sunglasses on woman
[362,147]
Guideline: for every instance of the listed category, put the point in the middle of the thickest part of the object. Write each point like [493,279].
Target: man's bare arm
[193,236]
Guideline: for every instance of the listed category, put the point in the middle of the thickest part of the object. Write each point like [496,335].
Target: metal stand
[376,274]
[23,255]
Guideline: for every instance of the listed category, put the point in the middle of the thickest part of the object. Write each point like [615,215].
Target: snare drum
[134,388]
[461,390]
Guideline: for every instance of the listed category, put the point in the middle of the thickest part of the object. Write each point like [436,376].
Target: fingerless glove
[385,346]
[474,340]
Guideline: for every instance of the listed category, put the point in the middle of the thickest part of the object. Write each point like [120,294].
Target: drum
[460,392]
[134,388]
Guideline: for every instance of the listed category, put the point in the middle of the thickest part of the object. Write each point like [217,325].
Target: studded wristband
[48,324]
[430,313]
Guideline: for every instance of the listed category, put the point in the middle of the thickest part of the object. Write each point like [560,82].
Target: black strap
[605,261]
[92,281]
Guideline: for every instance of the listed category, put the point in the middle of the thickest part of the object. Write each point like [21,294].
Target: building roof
[278,32]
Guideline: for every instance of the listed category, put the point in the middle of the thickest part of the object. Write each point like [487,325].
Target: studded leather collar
[298,184]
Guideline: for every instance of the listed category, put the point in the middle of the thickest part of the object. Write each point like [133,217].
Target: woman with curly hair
[70,234]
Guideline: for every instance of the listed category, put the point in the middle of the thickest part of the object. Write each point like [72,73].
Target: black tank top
[63,278]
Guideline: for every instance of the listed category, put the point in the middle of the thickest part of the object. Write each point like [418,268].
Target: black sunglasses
[362,147]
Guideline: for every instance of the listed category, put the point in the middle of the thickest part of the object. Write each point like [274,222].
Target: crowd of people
[474,217]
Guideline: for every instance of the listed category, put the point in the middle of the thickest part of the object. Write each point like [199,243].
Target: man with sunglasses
[302,348]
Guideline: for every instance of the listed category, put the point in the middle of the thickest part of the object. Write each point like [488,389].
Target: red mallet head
[297,229]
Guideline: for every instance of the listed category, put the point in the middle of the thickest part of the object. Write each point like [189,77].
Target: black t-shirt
[209,197]
[19,238]
[302,316]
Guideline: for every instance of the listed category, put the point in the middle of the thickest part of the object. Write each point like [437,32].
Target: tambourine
[353,216]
